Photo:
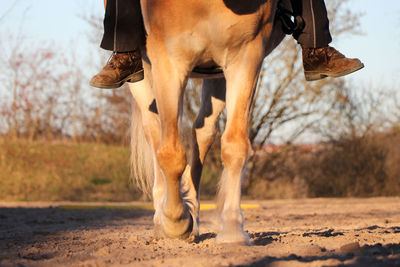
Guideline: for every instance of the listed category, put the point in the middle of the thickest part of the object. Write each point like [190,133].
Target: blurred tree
[282,98]
[286,107]
[32,104]
[113,112]
[45,92]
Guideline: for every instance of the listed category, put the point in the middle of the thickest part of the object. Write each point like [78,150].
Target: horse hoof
[181,228]
[234,238]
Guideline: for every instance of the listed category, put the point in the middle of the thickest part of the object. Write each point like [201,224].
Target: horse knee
[172,159]
[235,149]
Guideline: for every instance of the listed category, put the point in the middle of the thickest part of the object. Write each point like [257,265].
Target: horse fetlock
[193,209]
[234,217]
[177,227]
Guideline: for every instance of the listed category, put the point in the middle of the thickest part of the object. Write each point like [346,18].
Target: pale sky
[378,48]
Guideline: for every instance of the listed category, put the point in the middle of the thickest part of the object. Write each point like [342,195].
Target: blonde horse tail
[142,165]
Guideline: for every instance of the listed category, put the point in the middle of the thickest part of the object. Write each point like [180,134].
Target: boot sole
[314,76]
[135,77]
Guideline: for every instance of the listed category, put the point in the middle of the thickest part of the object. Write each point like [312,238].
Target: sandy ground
[310,232]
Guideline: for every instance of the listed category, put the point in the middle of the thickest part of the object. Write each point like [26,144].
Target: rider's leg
[319,59]
[123,34]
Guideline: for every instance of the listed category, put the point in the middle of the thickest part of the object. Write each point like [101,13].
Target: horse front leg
[241,76]
[175,218]
[203,134]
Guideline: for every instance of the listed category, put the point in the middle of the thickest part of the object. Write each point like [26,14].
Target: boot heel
[314,76]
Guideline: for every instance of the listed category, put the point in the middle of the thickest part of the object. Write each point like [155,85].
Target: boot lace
[117,61]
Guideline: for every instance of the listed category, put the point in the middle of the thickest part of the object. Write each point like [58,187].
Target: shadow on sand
[368,255]
[23,227]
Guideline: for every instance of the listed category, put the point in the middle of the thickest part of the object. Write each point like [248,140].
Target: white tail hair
[142,165]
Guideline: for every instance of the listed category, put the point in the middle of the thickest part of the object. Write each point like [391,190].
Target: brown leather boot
[322,62]
[120,68]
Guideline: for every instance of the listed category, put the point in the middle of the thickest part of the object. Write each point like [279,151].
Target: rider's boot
[120,68]
[326,61]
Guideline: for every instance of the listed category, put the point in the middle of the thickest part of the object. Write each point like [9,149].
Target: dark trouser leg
[123,26]
[123,33]
[319,59]
[316,31]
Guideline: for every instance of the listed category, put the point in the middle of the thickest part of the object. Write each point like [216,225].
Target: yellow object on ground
[142,207]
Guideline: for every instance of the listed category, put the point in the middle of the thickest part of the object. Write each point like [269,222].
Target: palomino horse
[235,35]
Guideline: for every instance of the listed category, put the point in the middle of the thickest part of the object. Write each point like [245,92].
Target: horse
[223,42]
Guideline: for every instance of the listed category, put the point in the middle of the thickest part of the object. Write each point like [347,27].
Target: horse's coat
[233,34]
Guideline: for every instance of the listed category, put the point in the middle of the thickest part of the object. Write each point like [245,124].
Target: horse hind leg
[235,145]
[203,134]
[145,139]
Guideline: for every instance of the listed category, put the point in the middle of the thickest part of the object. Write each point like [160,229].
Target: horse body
[207,31]
[233,34]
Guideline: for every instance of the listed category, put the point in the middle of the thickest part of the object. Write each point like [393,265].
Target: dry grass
[33,171]
[365,166]
[356,167]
